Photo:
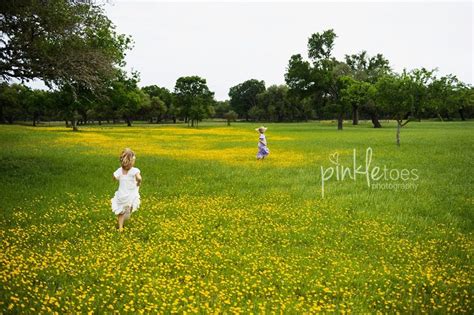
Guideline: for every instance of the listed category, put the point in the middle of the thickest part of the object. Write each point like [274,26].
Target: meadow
[218,231]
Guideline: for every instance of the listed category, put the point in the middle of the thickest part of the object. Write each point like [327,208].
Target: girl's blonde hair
[127,158]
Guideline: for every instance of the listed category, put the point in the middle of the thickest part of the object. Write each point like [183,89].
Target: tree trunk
[192,122]
[100,122]
[2,118]
[355,115]
[375,120]
[74,112]
[228,122]
[340,120]
[129,122]
[461,113]
[34,120]
[399,126]
[74,122]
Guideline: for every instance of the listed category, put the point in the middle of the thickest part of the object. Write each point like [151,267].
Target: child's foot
[120,230]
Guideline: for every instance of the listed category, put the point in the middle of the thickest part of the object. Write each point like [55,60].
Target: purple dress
[263,150]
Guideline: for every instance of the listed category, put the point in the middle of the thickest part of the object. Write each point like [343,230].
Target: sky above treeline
[230,42]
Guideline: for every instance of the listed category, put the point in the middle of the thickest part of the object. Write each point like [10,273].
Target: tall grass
[220,231]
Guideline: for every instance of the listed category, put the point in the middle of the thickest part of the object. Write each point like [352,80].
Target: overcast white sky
[230,42]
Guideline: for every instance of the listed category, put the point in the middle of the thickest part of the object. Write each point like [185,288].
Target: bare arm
[138,178]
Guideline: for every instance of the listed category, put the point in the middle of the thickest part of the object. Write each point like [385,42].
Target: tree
[420,78]
[320,46]
[65,43]
[256,113]
[298,76]
[304,86]
[103,108]
[305,106]
[337,79]
[36,102]
[12,101]
[193,98]
[230,116]
[275,104]
[86,100]
[157,108]
[367,69]
[327,73]
[66,104]
[323,79]
[447,95]
[221,108]
[168,108]
[394,92]
[372,107]
[244,96]
[163,93]
[173,112]
[128,97]
[357,94]
[464,98]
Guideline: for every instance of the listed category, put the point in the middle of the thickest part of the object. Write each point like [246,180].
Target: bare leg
[128,212]
[120,219]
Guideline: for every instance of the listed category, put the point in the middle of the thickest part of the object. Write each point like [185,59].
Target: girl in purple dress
[263,150]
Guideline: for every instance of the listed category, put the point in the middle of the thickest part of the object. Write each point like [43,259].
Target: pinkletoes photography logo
[377,177]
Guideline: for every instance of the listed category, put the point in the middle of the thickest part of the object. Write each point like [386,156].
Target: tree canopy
[59,41]
[243,96]
[194,99]
[62,42]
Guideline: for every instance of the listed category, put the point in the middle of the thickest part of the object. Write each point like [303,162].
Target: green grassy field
[219,231]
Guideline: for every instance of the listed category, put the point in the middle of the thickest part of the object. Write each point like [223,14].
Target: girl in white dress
[127,198]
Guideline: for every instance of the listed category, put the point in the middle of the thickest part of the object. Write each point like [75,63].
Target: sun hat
[261,128]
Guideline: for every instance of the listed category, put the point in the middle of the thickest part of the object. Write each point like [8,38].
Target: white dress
[127,193]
